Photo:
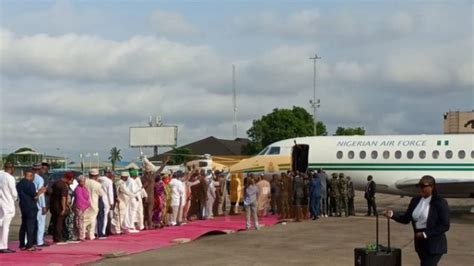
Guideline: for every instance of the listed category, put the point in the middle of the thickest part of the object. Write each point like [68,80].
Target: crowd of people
[96,206]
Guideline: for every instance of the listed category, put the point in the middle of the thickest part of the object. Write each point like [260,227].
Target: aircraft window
[398,154]
[362,154]
[461,154]
[472,154]
[374,154]
[339,154]
[410,154]
[263,151]
[386,154]
[422,154]
[274,151]
[449,154]
[435,154]
[350,155]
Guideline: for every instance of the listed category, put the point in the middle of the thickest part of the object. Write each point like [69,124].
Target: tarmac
[327,241]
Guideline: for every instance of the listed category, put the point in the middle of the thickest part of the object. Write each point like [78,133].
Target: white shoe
[133,231]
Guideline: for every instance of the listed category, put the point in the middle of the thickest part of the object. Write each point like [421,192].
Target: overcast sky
[76,75]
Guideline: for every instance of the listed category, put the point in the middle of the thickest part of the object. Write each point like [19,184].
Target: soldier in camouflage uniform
[342,200]
[333,195]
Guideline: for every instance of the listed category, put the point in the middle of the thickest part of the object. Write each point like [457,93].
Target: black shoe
[4,251]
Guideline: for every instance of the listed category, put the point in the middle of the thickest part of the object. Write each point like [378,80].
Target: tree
[115,157]
[281,124]
[180,155]
[349,131]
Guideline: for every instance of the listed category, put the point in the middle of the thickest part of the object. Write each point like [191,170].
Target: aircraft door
[299,157]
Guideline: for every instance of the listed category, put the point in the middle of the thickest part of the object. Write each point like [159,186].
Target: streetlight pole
[315,103]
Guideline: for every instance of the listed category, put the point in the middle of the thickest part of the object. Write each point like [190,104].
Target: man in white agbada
[211,196]
[139,218]
[108,199]
[95,191]
[133,205]
[124,196]
[8,196]
[177,189]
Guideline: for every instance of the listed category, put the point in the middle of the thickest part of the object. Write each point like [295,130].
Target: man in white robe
[8,196]
[107,199]
[139,218]
[90,215]
[124,196]
[133,205]
[177,200]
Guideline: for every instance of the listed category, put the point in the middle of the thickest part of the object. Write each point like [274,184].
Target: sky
[75,75]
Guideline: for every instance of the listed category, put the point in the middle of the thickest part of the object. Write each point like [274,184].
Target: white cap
[94,171]
[125,174]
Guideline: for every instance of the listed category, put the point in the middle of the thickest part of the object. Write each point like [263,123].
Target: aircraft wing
[449,188]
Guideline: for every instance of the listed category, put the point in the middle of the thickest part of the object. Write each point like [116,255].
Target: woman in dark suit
[429,215]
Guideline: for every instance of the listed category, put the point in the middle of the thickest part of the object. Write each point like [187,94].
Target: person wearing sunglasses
[429,215]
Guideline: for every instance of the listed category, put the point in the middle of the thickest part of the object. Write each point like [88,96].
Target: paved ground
[328,241]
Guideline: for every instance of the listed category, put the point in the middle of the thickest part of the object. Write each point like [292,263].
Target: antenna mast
[234,101]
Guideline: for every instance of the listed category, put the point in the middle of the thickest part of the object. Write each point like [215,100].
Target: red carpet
[90,251]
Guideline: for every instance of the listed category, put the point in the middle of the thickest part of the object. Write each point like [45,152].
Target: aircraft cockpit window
[274,151]
[350,154]
[449,154]
[461,154]
[362,154]
[398,154]
[374,154]
[339,154]
[410,154]
[386,154]
[422,154]
[435,154]
[263,151]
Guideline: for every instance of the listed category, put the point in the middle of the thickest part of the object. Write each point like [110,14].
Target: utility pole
[315,103]
[234,101]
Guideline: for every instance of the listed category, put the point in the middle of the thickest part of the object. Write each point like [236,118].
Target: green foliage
[349,131]
[115,157]
[180,155]
[281,124]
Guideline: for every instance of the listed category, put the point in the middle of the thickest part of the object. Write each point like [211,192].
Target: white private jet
[396,162]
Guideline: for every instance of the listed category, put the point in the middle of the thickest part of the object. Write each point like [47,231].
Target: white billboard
[153,136]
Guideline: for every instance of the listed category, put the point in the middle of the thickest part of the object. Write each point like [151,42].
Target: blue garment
[39,183]
[315,187]
[315,196]
[41,218]
[26,195]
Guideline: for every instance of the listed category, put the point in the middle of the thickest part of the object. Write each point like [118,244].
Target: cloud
[390,72]
[92,58]
[171,24]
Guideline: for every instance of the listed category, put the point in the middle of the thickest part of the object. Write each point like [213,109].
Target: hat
[133,172]
[124,174]
[341,175]
[36,166]
[94,171]
[69,175]
[108,170]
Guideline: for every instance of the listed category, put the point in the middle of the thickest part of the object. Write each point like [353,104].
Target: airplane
[397,162]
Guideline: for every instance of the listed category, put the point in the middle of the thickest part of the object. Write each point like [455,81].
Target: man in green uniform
[342,187]
[333,195]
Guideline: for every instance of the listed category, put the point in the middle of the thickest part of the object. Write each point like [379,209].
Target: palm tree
[115,157]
